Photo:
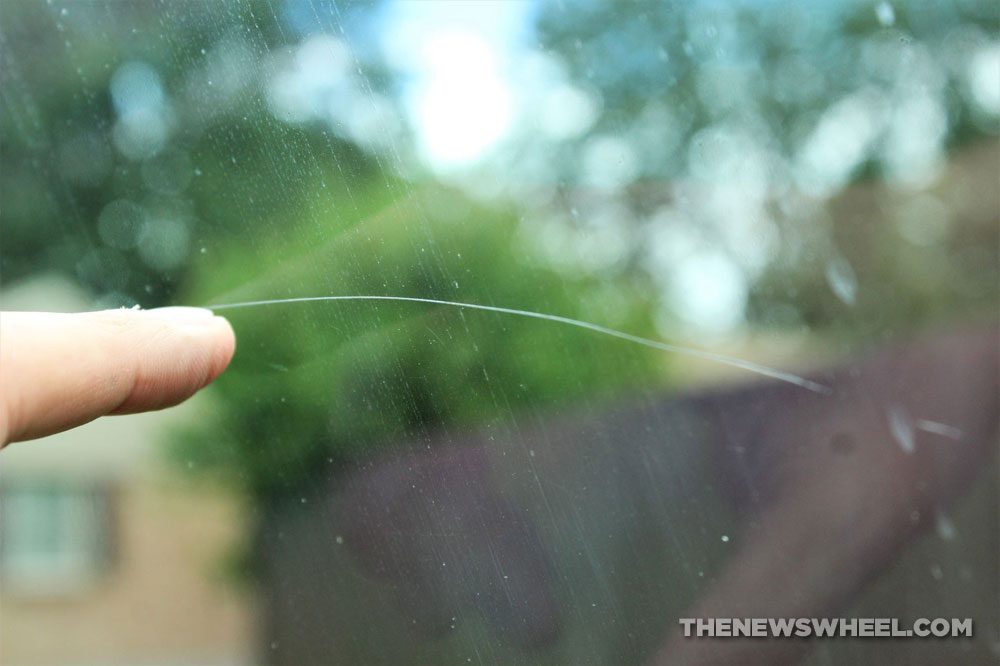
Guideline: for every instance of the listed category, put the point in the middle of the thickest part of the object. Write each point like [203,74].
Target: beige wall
[165,601]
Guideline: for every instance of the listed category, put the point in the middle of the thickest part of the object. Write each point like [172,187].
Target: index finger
[58,371]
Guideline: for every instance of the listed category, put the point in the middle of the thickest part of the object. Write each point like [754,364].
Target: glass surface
[557,323]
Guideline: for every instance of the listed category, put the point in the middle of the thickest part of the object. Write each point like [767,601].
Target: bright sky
[469,76]
[455,57]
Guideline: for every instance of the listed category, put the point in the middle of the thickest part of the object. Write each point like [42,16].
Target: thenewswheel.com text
[814,627]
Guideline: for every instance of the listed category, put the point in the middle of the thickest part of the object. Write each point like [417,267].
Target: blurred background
[783,182]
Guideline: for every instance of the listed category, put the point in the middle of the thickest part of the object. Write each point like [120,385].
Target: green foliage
[318,384]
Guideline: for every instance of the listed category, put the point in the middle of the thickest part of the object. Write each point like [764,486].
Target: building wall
[164,599]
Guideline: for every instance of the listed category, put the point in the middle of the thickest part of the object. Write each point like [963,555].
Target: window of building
[53,536]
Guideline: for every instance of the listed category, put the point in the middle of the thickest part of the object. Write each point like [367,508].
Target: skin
[59,371]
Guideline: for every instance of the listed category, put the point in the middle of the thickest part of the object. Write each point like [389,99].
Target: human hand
[58,371]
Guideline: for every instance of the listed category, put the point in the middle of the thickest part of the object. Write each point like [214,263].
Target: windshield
[559,325]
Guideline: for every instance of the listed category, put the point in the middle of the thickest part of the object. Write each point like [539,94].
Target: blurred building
[580,539]
[107,554]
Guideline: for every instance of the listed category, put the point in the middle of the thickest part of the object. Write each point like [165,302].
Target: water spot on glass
[339,539]
[204,250]
[944,526]
[936,572]
[842,280]
[901,427]
[725,538]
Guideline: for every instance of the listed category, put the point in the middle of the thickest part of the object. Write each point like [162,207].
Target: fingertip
[62,370]
[202,340]
[225,346]
[194,348]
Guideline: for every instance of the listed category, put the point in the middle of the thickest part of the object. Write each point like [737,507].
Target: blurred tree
[154,171]
[319,384]
[740,124]
[124,158]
